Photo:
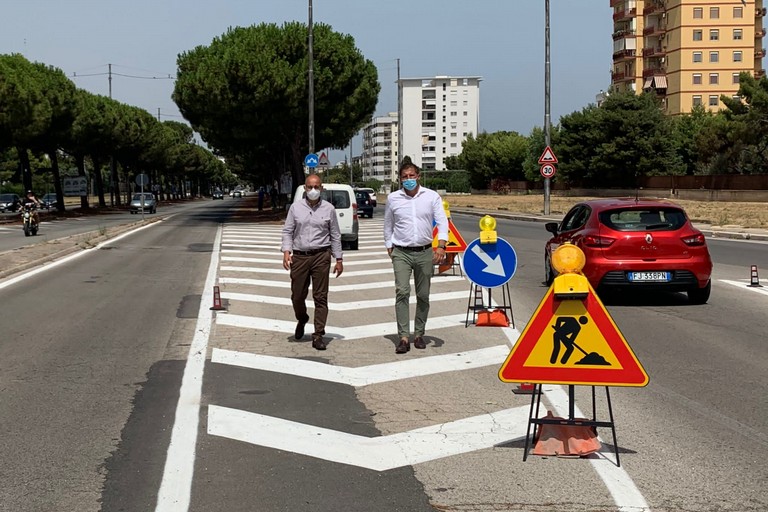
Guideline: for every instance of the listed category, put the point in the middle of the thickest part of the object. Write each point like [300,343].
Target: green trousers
[418,263]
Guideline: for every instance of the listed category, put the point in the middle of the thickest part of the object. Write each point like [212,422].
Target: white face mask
[313,194]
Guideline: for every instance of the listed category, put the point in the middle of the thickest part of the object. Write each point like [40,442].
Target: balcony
[759,13]
[624,54]
[759,54]
[627,32]
[654,52]
[652,7]
[759,33]
[654,71]
[759,73]
[621,76]
[653,31]
[614,3]
[627,14]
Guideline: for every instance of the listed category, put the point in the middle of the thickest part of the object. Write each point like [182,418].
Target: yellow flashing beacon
[488,230]
[569,260]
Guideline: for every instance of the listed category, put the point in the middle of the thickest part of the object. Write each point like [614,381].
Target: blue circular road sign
[311,160]
[489,265]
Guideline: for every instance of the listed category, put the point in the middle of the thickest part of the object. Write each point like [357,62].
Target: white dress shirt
[409,221]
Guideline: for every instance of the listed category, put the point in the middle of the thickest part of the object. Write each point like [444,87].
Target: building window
[697,35]
[736,78]
[714,57]
[465,81]
[443,118]
[454,134]
[465,123]
[443,129]
[714,100]
[737,34]
[696,56]
[714,34]
[453,144]
[443,140]
[466,113]
[714,78]
[443,85]
[465,103]
[714,12]
[738,12]
[697,79]
[453,103]
[698,12]
[696,100]
[453,114]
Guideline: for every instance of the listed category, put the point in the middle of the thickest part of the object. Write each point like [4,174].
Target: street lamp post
[311,76]
[547,119]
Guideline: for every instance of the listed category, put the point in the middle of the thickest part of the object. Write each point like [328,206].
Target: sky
[503,41]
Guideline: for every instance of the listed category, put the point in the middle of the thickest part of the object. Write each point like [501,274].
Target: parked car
[237,193]
[143,202]
[218,194]
[635,244]
[9,202]
[371,193]
[48,201]
[342,197]
[364,204]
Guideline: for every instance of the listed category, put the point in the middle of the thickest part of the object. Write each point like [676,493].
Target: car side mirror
[551,227]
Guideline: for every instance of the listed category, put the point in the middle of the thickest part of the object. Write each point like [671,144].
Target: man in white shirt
[409,218]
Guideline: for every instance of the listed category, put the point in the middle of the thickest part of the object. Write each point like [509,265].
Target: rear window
[338,198]
[643,219]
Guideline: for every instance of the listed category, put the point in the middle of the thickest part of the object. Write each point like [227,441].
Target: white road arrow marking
[365,375]
[375,453]
[492,266]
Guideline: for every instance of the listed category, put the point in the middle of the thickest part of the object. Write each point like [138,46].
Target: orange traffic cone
[217,300]
[754,280]
[526,388]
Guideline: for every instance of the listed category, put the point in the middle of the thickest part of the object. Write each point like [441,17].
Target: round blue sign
[489,265]
[311,160]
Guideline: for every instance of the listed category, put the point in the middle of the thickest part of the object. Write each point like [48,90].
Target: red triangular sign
[455,242]
[548,157]
[323,160]
[572,341]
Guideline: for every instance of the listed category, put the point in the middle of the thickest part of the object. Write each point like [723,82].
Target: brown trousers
[316,267]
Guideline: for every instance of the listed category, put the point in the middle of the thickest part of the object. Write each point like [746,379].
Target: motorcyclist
[31,200]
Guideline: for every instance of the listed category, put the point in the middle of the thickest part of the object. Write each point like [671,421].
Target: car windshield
[137,197]
[643,219]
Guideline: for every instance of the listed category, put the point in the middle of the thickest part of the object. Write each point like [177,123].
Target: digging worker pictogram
[566,329]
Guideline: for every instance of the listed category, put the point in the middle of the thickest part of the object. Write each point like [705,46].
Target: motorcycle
[28,219]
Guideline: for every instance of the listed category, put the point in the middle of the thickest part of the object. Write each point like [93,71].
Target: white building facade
[438,115]
[379,156]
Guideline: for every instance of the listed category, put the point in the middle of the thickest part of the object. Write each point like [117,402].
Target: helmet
[29,192]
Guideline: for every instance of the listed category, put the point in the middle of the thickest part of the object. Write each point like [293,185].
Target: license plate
[649,277]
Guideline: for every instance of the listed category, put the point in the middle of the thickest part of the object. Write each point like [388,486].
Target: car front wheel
[549,275]
[700,295]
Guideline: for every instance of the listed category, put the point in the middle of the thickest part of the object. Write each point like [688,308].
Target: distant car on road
[364,204]
[371,193]
[48,201]
[218,194]
[9,202]
[143,200]
[635,244]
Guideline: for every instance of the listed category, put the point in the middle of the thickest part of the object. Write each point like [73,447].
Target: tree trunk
[57,179]
[98,180]
[26,173]
[115,185]
[80,162]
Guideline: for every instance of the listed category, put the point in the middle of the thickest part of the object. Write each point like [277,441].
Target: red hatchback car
[635,244]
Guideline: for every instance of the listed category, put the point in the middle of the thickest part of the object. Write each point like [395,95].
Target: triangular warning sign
[572,341]
[323,160]
[548,157]
[455,242]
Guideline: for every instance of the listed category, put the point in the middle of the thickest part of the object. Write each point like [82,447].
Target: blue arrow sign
[489,265]
[311,160]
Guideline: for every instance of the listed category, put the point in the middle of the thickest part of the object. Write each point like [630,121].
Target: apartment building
[379,156]
[688,52]
[438,113]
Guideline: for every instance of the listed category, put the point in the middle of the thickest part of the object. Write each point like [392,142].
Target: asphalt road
[94,352]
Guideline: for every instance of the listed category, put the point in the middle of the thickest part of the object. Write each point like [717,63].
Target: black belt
[311,252]
[417,248]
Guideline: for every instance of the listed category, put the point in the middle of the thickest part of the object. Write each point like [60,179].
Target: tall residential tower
[689,52]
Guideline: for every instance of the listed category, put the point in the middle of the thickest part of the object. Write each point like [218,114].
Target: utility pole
[350,161]
[547,119]
[399,158]
[114,189]
[158,113]
[311,89]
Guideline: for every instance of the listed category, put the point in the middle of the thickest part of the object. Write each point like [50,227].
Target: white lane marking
[365,375]
[278,259]
[278,254]
[625,493]
[176,486]
[282,271]
[376,453]
[744,285]
[332,288]
[339,306]
[347,333]
[55,263]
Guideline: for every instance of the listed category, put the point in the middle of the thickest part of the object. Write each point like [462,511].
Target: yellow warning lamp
[568,260]
[488,230]
[445,207]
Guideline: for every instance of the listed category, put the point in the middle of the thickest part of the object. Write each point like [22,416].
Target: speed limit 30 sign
[548,170]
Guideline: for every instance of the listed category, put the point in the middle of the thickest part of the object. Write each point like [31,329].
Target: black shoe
[403,347]
[419,342]
[317,342]
[299,333]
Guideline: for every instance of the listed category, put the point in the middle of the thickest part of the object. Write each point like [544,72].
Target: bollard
[754,280]
[217,300]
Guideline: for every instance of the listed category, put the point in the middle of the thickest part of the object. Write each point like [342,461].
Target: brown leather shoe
[419,342]
[299,332]
[403,347]
[317,342]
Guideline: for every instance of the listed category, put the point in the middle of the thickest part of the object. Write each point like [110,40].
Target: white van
[342,197]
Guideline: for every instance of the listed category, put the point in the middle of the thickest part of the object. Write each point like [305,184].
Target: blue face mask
[409,184]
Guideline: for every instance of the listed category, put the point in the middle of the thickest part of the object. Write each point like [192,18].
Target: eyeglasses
[316,187]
